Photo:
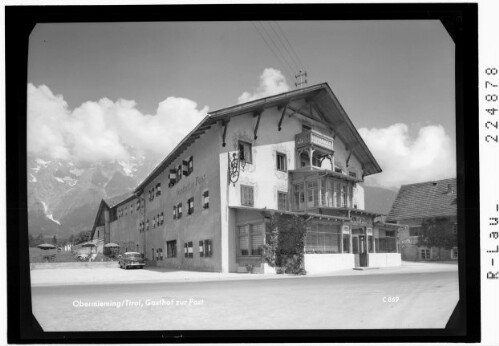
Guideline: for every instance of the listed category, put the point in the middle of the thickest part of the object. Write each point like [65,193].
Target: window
[171,249]
[306,127]
[425,254]
[299,196]
[201,248]
[185,168]
[179,173]
[160,254]
[323,238]
[282,200]
[191,164]
[188,250]
[154,222]
[247,195]
[414,231]
[304,160]
[251,238]
[313,193]
[147,225]
[346,243]
[188,166]
[352,174]
[343,196]
[206,200]
[158,189]
[281,162]
[172,177]
[190,205]
[174,212]
[453,253]
[161,218]
[179,210]
[138,204]
[208,248]
[245,152]
[131,208]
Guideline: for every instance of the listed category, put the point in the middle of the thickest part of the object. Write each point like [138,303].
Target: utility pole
[300,75]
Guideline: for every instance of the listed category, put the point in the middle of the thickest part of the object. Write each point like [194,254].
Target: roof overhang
[324,100]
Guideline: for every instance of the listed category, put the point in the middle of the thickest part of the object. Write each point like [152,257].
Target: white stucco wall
[326,263]
[384,259]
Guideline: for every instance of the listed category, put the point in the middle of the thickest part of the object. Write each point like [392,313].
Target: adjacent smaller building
[425,202]
[117,222]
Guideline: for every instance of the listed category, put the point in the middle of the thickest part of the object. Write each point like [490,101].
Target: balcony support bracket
[282,117]
[224,124]
[259,115]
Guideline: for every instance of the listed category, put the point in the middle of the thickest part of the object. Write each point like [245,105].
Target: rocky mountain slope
[63,196]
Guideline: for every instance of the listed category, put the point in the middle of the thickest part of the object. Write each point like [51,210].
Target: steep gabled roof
[110,203]
[326,105]
[425,200]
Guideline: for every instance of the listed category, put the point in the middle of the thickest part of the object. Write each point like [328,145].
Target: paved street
[420,300]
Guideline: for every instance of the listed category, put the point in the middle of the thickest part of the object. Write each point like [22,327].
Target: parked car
[131,260]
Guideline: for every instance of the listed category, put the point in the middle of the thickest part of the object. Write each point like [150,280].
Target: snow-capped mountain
[63,196]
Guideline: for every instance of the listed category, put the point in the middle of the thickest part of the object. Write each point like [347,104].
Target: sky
[97,90]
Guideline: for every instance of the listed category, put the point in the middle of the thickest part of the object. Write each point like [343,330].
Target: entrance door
[362,251]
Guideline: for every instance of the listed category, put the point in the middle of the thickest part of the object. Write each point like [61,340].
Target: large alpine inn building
[206,206]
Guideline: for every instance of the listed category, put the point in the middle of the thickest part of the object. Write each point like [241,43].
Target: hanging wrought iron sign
[235,166]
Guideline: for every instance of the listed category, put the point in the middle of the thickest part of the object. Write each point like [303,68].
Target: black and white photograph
[243,175]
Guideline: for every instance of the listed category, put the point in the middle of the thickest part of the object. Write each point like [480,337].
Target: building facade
[423,202]
[206,206]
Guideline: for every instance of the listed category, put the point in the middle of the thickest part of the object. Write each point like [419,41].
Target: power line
[276,46]
[291,47]
[272,50]
[297,64]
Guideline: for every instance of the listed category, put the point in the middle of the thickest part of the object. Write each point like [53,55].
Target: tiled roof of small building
[424,200]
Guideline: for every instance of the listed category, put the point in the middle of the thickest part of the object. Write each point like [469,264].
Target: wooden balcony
[315,139]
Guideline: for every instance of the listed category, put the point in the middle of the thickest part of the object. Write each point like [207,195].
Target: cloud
[430,156]
[272,82]
[105,130]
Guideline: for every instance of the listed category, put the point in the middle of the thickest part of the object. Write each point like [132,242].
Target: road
[416,300]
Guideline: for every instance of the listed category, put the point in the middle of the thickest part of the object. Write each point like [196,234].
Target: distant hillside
[378,199]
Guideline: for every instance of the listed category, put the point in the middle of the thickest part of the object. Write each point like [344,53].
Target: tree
[285,243]
[82,236]
[54,240]
[438,232]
